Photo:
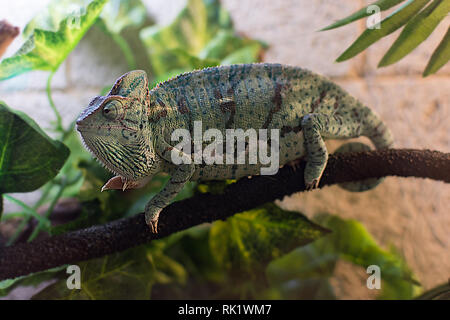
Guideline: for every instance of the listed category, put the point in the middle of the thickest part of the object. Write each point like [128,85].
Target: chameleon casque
[129,130]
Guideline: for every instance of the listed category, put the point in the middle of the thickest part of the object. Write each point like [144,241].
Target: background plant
[419,18]
[263,253]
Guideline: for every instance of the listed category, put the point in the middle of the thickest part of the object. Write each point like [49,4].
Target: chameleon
[129,130]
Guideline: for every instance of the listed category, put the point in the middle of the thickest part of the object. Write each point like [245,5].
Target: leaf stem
[126,50]
[38,228]
[59,126]
[30,211]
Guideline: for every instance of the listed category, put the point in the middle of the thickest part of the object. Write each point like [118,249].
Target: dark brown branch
[246,194]
[7,35]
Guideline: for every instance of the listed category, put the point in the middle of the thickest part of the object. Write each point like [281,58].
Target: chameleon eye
[112,110]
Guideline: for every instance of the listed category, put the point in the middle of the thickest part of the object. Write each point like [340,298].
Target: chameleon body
[130,129]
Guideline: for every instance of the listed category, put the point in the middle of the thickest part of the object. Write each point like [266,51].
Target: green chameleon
[130,129]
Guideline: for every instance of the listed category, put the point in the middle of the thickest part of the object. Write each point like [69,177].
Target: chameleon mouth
[94,148]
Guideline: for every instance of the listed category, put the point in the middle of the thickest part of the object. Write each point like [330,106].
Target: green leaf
[440,56]
[33,279]
[56,11]
[116,14]
[388,25]
[247,241]
[28,157]
[382,4]
[350,241]
[46,50]
[416,31]
[126,275]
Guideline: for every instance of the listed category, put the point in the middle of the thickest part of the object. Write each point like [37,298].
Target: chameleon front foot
[314,184]
[151,218]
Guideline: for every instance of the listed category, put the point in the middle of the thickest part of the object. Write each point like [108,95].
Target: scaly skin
[130,129]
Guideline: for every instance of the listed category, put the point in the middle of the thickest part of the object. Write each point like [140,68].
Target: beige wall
[413,214]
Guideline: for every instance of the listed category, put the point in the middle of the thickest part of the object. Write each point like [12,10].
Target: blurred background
[412,214]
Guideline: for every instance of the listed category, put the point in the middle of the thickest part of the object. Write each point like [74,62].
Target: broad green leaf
[440,56]
[126,275]
[416,31]
[350,241]
[388,25]
[46,50]
[56,11]
[33,279]
[364,12]
[246,241]
[28,157]
[116,14]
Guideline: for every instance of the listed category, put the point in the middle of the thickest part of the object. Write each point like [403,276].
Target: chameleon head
[115,129]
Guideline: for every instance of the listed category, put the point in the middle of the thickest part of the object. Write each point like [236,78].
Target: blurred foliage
[200,36]
[46,50]
[248,240]
[240,248]
[348,241]
[192,265]
[264,253]
[419,19]
[116,16]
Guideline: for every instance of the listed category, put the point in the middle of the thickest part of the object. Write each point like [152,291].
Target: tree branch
[247,193]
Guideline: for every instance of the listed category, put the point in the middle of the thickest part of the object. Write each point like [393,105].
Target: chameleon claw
[153,226]
[151,219]
[312,185]
[125,185]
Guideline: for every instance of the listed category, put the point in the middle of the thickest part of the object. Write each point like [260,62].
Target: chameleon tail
[381,137]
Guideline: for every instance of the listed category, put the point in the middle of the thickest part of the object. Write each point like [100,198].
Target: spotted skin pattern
[129,130]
